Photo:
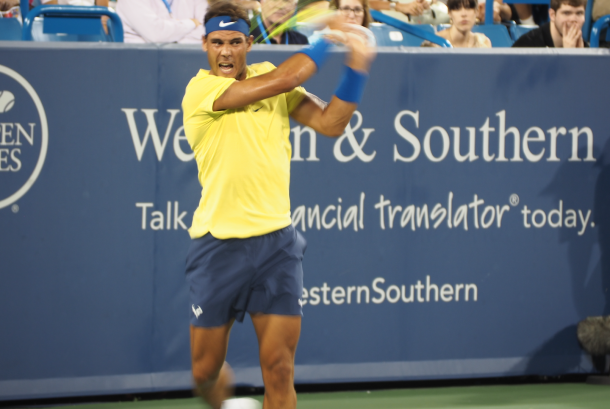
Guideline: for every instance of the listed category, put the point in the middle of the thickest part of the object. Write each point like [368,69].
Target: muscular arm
[288,75]
[294,71]
[330,120]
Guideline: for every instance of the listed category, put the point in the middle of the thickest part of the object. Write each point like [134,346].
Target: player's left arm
[331,119]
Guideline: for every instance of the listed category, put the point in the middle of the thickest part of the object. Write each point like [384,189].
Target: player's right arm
[294,72]
[287,76]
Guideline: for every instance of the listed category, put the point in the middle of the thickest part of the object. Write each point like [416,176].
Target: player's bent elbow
[338,126]
[331,128]
[335,133]
[332,131]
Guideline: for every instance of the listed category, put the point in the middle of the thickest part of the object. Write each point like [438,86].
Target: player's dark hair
[458,4]
[556,4]
[226,8]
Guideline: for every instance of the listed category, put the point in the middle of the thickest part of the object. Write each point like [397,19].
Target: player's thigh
[278,336]
[218,273]
[209,349]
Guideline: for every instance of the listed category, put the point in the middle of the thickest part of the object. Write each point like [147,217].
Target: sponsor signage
[24,136]
[455,228]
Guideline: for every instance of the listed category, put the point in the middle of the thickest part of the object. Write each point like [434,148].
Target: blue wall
[511,253]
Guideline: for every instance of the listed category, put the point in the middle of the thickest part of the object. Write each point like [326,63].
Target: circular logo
[23,130]
[7,99]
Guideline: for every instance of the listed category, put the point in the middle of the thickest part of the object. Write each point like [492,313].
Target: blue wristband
[317,51]
[352,85]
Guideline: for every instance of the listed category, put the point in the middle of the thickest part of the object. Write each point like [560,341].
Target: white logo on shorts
[197,311]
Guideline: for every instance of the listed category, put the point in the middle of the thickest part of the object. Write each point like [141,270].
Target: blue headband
[225,23]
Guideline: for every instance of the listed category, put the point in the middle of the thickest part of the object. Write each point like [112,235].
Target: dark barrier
[457,228]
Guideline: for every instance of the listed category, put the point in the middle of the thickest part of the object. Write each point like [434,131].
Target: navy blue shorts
[262,274]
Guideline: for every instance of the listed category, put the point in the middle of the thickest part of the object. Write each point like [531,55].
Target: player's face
[352,11]
[566,16]
[275,12]
[463,19]
[227,53]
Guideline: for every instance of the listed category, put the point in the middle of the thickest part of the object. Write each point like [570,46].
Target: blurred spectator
[502,11]
[401,10]
[6,5]
[269,27]
[531,14]
[525,13]
[77,2]
[162,21]
[463,15]
[250,5]
[353,11]
[310,4]
[564,29]
[601,8]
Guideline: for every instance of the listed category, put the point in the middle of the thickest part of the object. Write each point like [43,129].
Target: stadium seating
[392,33]
[10,29]
[71,23]
[390,36]
[53,29]
[586,28]
[517,31]
[497,33]
[421,32]
[600,24]
[489,7]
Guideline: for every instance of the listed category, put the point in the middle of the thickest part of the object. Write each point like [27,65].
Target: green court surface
[538,396]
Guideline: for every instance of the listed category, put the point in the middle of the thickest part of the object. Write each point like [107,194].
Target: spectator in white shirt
[162,21]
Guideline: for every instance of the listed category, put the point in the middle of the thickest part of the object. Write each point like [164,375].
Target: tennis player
[245,255]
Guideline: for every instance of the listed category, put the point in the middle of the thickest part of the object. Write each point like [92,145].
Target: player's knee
[279,370]
[204,373]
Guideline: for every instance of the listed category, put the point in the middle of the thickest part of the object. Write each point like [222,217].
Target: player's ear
[551,14]
[250,41]
[204,43]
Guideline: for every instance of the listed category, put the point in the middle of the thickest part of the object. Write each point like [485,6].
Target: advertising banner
[457,228]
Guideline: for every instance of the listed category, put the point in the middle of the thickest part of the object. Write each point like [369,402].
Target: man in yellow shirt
[245,255]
